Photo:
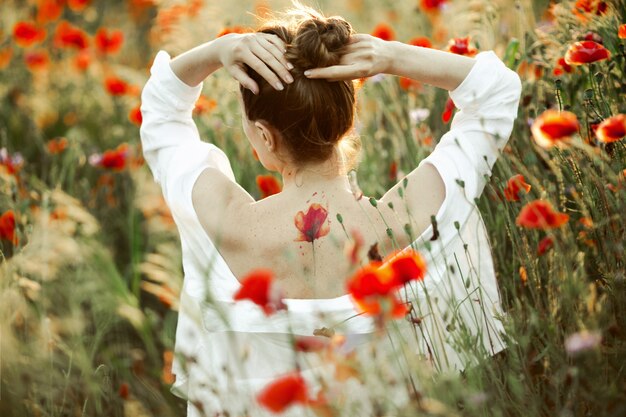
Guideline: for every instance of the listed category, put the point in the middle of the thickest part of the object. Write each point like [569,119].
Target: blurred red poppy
[7,227]
[135,115]
[514,185]
[259,287]
[461,46]
[268,185]
[27,34]
[56,146]
[312,225]
[116,86]
[584,7]
[554,128]
[585,52]
[408,83]
[82,60]
[621,32]
[310,343]
[36,60]
[68,36]
[448,111]
[232,29]
[49,10]
[283,392]
[113,159]
[11,163]
[204,105]
[124,390]
[540,214]
[432,5]
[109,41]
[544,245]
[612,129]
[384,32]
[5,57]
[407,266]
[166,375]
[374,291]
[562,67]
[78,5]
[421,41]
[393,170]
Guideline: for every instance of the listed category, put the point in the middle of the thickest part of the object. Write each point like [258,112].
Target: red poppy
[268,185]
[5,57]
[109,41]
[259,287]
[56,146]
[312,225]
[135,115]
[384,32]
[113,159]
[408,83]
[540,214]
[124,390]
[49,10]
[621,32]
[166,375]
[585,52]
[448,111]
[393,170]
[232,29]
[36,60]
[544,245]
[514,185]
[461,46]
[284,392]
[27,34]
[407,266]
[82,60]
[11,163]
[78,5]
[583,7]
[432,5]
[554,128]
[561,67]
[612,129]
[374,291]
[68,36]
[421,41]
[7,227]
[116,86]
[310,343]
[204,105]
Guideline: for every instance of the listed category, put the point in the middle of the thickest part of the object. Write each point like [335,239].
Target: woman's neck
[314,177]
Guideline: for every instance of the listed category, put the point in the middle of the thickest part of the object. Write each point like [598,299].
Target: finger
[244,79]
[273,57]
[262,69]
[276,41]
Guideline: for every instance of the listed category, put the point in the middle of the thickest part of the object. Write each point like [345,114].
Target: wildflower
[612,129]
[407,83]
[544,245]
[586,222]
[621,31]
[68,36]
[259,287]
[82,60]
[540,214]
[282,393]
[166,375]
[27,34]
[5,57]
[116,86]
[561,67]
[310,343]
[77,5]
[108,41]
[448,110]
[135,116]
[554,128]
[374,291]
[49,10]
[586,52]
[582,341]
[11,163]
[312,225]
[7,227]
[384,32]
[56,146]
[232,29]
[407,266]
[461,46]
[36,60]
[393,170]
[421,41]
[113,159]
[584,7]
[124,390]
[523,275]
[432,5]
[204,105]
[514,185]
[268,185]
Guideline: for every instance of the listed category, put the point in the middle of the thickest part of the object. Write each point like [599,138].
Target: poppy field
[90,272]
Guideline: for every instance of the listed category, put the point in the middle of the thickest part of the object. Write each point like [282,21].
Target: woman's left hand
[262,52]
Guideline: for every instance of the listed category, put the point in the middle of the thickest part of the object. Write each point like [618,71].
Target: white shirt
[458,299]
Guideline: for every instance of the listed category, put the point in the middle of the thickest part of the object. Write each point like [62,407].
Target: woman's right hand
[262,52]
[365,56]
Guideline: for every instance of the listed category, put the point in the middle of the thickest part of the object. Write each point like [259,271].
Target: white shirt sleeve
[488,99]
[170,139]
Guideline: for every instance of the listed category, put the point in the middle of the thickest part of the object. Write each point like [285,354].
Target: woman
[298,103]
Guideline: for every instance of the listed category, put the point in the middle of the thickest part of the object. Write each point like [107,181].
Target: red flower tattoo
[312,225]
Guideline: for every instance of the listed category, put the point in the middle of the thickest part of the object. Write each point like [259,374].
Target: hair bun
[319,42]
